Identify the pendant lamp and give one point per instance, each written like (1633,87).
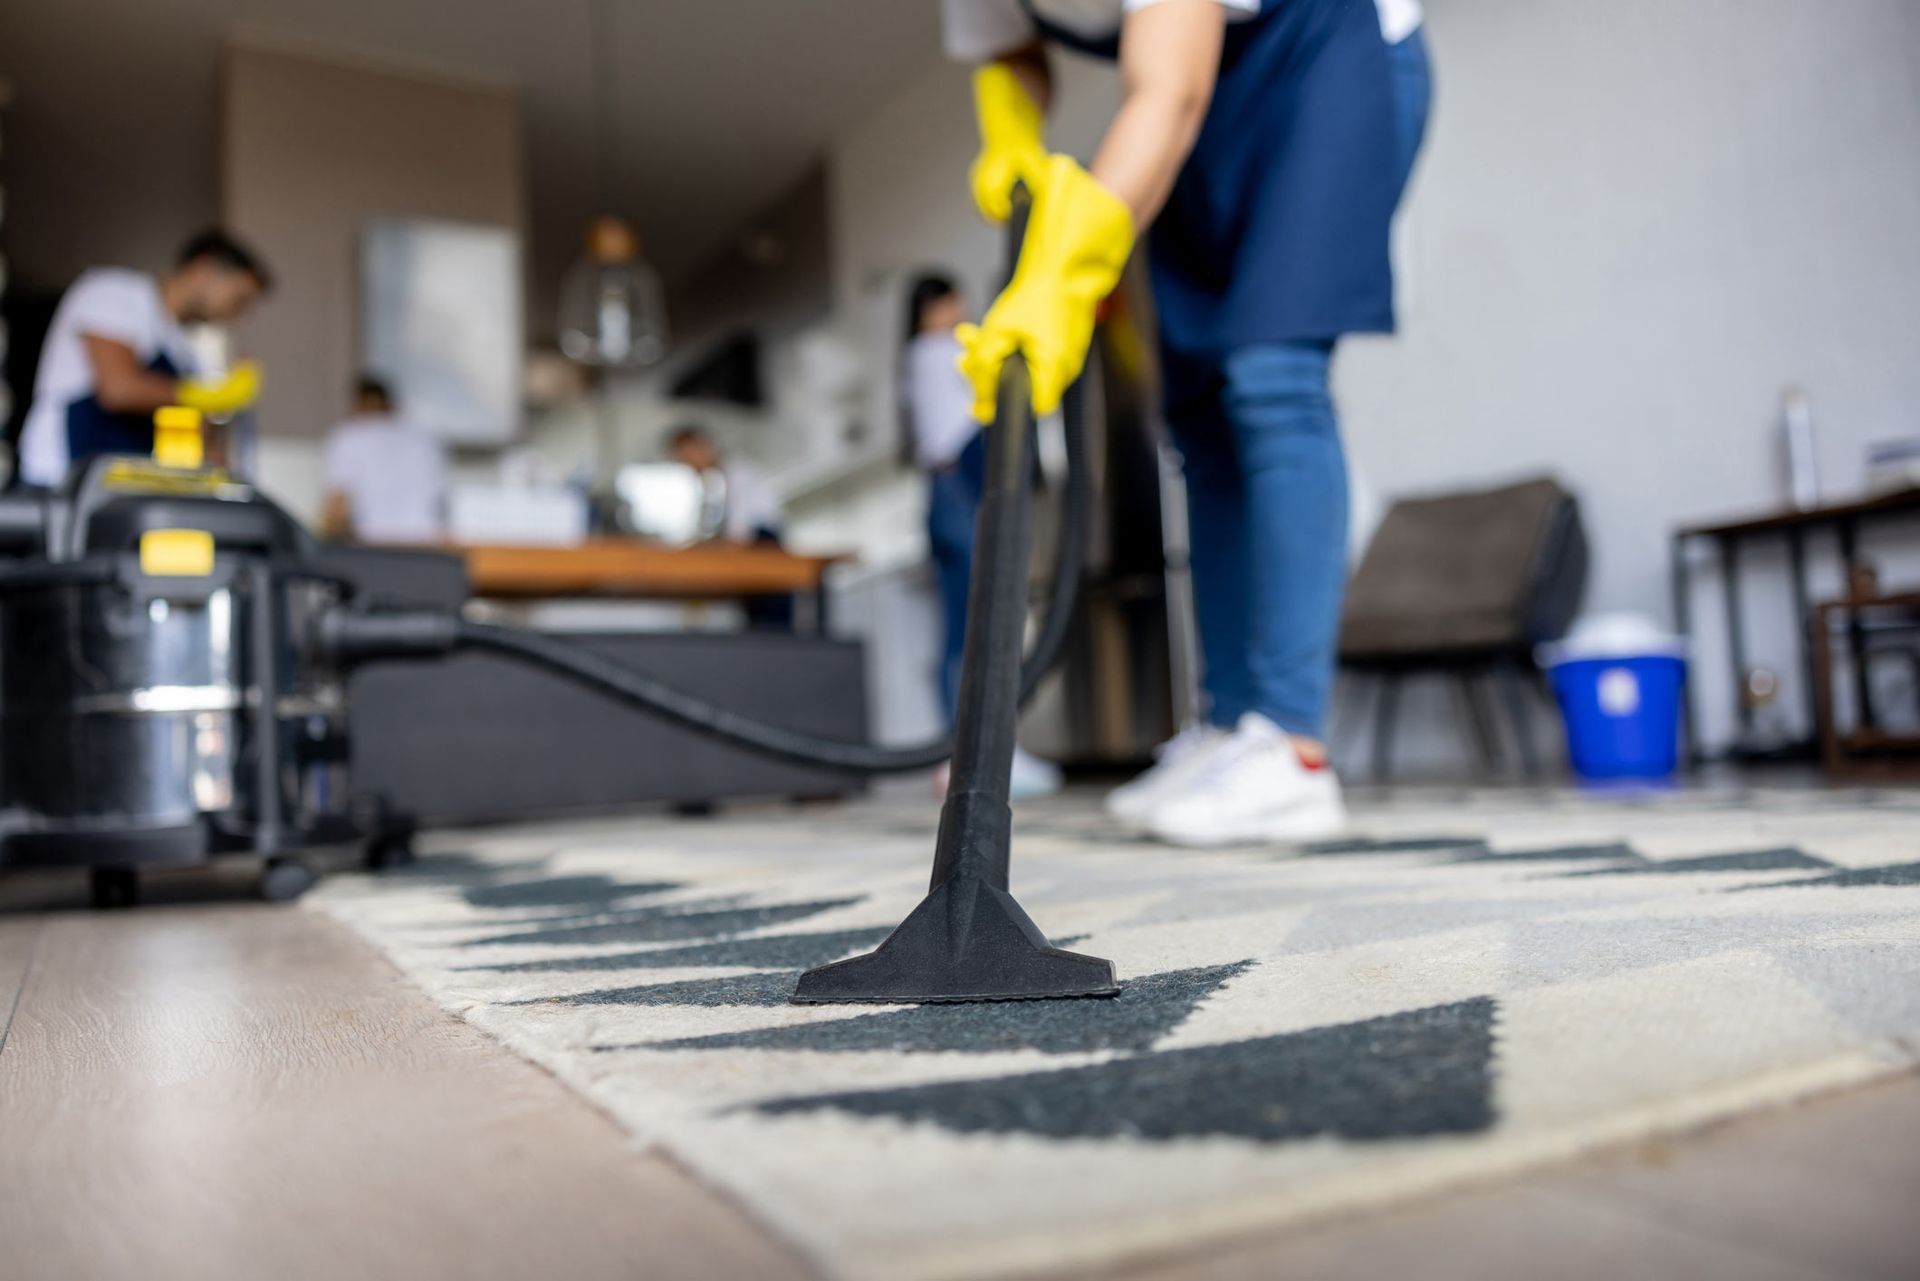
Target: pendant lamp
(613,311)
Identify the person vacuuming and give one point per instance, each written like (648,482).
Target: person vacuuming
(1266,143)
(117,350)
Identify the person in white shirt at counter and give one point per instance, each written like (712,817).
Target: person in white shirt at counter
(752,513)
(386,477)
(117,350)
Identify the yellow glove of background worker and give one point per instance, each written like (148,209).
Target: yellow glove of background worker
(222,397)
(1078,239)
(1013,143)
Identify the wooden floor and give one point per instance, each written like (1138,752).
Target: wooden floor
(241,1091)
(210,1088)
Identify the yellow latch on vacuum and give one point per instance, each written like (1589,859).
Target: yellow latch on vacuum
(176,553)
(177,437)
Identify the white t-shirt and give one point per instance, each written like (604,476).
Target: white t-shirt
(939,402)
(105,302)
(977,30)
(751,503)
(394,476)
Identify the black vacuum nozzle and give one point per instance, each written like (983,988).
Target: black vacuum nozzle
(969,940)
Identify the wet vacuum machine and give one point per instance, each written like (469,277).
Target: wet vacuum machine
(173,662)
(161,702)
(173,654)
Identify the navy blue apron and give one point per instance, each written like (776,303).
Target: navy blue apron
(93,429)
(1277,228)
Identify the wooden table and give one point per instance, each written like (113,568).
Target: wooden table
(631,568)
(1793,526)
(1867,752)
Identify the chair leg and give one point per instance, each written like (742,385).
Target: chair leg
(1513,687)
(1479,724)
(1489,714)
(1385,709)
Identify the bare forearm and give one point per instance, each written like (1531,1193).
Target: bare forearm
(140,394)
(1144,149)
(1169,59)
(120,383)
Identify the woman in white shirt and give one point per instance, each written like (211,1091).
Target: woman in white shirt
(945,442)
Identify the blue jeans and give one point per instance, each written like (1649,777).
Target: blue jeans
(1267,512)
(953,502)
(1267,495)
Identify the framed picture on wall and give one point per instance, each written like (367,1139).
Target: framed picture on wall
(441,322)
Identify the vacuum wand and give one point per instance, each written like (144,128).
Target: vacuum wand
(969,940)
(986,727)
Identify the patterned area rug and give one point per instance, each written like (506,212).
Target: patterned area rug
(1476,982)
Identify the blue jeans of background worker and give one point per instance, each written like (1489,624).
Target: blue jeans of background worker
(1267,494)
(953,501)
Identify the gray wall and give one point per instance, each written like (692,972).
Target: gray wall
(96,169)
(722,106)
(313,147)
(1637,221)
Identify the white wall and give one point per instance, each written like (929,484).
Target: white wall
(1635,223)
(292,471)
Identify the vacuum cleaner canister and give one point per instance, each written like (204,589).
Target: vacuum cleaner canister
(159,703)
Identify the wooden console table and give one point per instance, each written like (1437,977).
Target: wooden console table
(1867,752)
(1845,520)
(632,569)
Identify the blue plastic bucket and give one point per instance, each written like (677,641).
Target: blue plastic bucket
(1622,714)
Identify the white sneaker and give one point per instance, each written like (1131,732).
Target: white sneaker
(1252,788)
(1178,761)
(1032,778)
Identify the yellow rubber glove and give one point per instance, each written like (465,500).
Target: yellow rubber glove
(1013,143)
(223,397)
(1078,238)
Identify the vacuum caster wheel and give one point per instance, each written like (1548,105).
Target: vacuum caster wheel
(115,887)
(394,849)
(286,879)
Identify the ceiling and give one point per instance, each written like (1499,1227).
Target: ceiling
(721,104)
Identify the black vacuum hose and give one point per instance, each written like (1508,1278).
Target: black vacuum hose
(657,697)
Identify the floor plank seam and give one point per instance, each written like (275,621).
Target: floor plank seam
(26,977)
(794,1251)
(1690,1227)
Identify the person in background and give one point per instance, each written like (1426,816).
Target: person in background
(1266,144)
(117,350)
(752,512)
(943,439)
(386,477)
